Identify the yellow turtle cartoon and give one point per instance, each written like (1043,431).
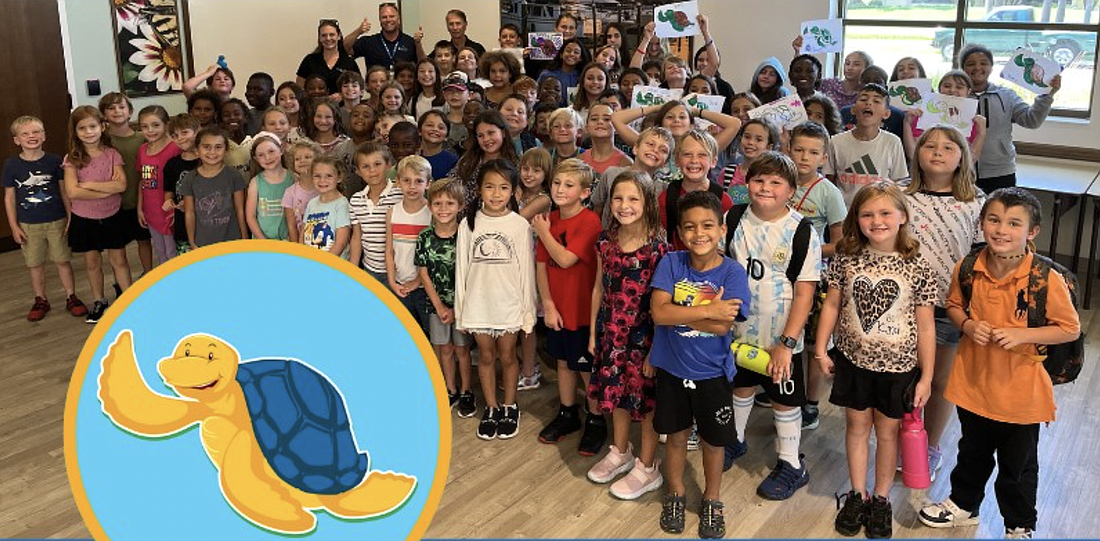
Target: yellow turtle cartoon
(277,430)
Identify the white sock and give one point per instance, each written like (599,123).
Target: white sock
(788,430)
(742,407)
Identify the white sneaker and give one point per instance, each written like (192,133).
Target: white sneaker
(946,515)
(1019,533)
(529,383)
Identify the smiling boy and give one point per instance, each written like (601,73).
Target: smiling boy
(866,153)
(696,156)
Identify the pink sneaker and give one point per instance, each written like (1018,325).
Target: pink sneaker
(639,481)
(612,464)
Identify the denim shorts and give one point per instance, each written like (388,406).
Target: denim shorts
(947,333)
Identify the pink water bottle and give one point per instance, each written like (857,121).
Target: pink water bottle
(914,451)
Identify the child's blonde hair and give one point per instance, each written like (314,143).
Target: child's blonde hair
(451,187)
(567,112)
(295,148)
(183,121)
(853,240)
(25,119)
(274,109)
(418,165)
(373,147)
(963,187)
(661,132)
(572,166)
(651,214)
(703,138)
(337,165)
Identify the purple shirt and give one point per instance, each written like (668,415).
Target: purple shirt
(99,169)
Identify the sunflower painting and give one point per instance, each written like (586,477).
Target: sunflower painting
(150,42)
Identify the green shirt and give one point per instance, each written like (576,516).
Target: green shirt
(437,254)
(128,147)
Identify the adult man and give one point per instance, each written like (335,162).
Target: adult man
(456,26)
(387,47)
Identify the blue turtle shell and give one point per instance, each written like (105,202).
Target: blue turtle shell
(302,426)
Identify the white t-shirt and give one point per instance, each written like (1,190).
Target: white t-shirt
(764,248)
(859,163)
(946,229)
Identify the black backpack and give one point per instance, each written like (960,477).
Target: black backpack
(1063,361)
(800,246)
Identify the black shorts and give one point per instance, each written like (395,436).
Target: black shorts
(571,347)
(133,227)
(889,393)
(708,402)
(791,392)
(95,235)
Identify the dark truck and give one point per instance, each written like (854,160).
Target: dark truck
(1062,47)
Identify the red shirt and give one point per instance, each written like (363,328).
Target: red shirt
(571,288)
(673,232)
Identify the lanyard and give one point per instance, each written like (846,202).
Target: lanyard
(391,52)
(798,207)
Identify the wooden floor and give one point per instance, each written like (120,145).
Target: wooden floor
(521,488)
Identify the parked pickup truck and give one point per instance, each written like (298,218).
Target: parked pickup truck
(1060,46)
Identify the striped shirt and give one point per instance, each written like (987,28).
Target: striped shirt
(406,228)
(371,219)
(946,228)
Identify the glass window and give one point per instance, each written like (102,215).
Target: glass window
(1033,11)
(1067,48)
(933,47)
(926,10)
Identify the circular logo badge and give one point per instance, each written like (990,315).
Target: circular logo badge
(257,389)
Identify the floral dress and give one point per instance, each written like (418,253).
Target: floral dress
(625,328)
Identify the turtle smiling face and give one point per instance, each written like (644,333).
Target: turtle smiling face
(202,367)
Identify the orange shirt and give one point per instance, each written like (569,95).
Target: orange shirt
(1010,386)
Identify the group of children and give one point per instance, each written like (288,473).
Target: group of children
(647,246)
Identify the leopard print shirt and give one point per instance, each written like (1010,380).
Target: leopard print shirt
(877,325)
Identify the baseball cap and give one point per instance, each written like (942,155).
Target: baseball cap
(455,79)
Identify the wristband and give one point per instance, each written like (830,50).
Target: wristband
(708,43)
(962,326)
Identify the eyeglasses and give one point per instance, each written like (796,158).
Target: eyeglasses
(388,5)
(329,22)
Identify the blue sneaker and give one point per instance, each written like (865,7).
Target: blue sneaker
(734,451)
(783,481)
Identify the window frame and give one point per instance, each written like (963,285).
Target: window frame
(960,25)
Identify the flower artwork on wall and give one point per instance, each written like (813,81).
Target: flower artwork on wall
(152,45)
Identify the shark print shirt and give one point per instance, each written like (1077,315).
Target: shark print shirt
(37,187)
(879,295)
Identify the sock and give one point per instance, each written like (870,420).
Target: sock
(742,407)
(788,430)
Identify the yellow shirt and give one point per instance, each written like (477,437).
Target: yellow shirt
(1010,386)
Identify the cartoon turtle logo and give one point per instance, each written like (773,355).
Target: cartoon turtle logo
(1033,71)
(822,36)
(277,430)
(677,19)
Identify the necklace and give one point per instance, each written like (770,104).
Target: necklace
(1011,257)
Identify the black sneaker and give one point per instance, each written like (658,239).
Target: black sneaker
(784,480)
(672,513)
(595,434)
(508,423)
(810,417)
(880,519)
(98,309)
(734,451)
(118,290)
(712,524)
(487,428)
(566,423)
(466,405)
(763,400)
(852,515)
(452,398)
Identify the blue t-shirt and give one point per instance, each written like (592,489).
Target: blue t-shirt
(685,352)
(37,188)
(442,163)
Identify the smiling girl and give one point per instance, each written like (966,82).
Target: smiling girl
(155,210)
(264,205)
(567,65)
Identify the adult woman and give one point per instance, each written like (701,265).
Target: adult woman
(329,59)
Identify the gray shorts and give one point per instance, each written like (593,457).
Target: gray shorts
(441,335)
(947,334)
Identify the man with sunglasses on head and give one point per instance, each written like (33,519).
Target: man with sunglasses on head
(387,47)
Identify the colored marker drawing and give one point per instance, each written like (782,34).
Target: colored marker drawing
(677,19)
(1033,71)
(277,430)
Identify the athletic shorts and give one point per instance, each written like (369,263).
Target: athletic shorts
(708,403)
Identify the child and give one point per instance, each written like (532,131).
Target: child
(944,206)
(369,208)
(500,68)
(466,62)
(757,137)
(514,110)
(456,95)
(155,208)
(529,89)
(805,75)
(1002,108)
(953,83)
(258,91)
(316,87)
(434,130)
(674,72)
(276,121)
(404,74)
(541,127)
(894,122)
(404,140)
(821,109)
(326,130)
(428,93)
(821,202)
(361,123)
(292,98)
(907,68)
(444,55)
(784,267)
(327,221)
(377,77)
(603,154)
(593,81)
(404,222)
(608,57)
(696,155)
(213,194)
(867,153)
(116,108)
(566,67)
(630,78)
(94,181)
(653,150)
(768,80)
(435,261)
(621,335)
(1001,392)
(234,120)
(533,199)
(386,122)
(550,90)
(393,101)
(846,91)
(679,119)
(295,198)
(566,268)
(264,204)
(884,357)
(182,128)
(351,93)
(495,290)
(565,125)
(205,105)
(488,131)
(37,209)
(697,294)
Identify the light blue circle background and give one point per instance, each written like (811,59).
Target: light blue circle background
(267,305)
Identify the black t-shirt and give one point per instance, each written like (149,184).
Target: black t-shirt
(473,45)
(379,52)
(314,64)
(173,170)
